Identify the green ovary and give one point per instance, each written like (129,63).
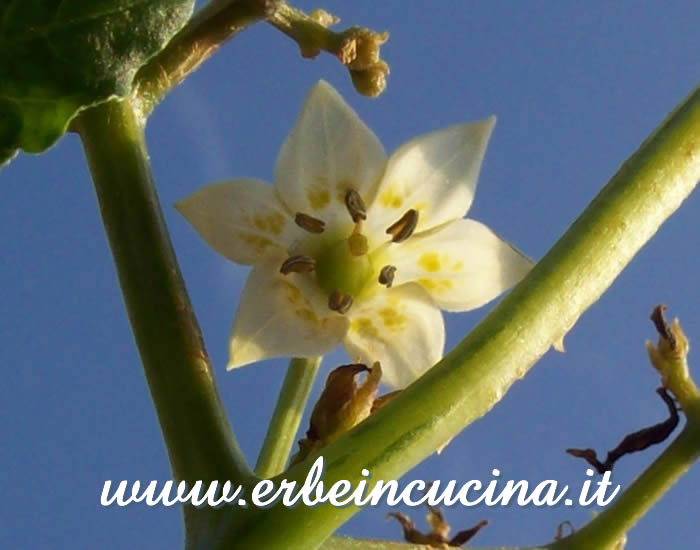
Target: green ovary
(338,269)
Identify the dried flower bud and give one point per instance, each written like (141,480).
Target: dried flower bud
(342,405)
(439,530)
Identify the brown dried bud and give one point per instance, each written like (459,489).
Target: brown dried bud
(439,530)
(342,405)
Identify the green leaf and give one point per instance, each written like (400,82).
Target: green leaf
(59,56)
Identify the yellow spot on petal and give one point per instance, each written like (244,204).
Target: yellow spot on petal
(272,223)
(364,327)
(318,194)
(438,286)
(255,241)
(429,261)
(392,319)
(391,198)
(292,293)
(307,315)
(457,266)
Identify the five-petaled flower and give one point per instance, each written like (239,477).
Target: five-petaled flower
(351,246)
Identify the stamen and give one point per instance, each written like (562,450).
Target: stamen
(386,275)
(358,244)
(298,264)
(355,205)
(403,229)
(309,223)
(339,301)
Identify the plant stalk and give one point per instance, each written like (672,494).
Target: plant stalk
(199,440)
(286,418)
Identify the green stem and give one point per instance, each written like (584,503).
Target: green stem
(200,443)
(647,189)
(286,418)
(309,34)
(608,527)
(208,29)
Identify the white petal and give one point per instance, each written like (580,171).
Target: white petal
(274,319)
(240,219)
(329,151)
(401,328)
(462,264)
(435,174)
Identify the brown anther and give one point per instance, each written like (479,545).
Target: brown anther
(298,264)
(309,223)
(404,228)
(355,205)
(386,275)
(339,301)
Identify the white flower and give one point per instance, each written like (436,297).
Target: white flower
(351,246)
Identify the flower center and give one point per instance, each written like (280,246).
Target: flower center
(345,266)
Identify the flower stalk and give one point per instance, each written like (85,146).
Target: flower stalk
(286,417)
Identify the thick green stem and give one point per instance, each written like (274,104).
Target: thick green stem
(286,418)
(608,527)
(197,433)
(647,189)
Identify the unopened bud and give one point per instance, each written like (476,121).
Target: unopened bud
(371,81)
(360,48)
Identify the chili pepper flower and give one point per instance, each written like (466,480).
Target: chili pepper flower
(352,247)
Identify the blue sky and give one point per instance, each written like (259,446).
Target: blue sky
(575,91)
